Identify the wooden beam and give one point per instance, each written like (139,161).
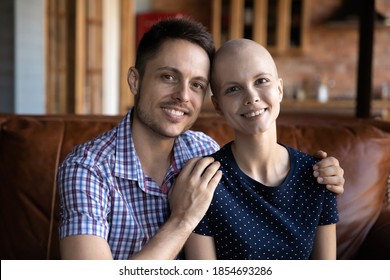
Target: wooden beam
(236,27)
(80,57)
(260,12)
(364,75)
(283,26)
(216,7)
(127,52)
(305,25)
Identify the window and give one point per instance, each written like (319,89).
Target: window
(280,25)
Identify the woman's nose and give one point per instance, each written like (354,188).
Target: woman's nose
(251,96)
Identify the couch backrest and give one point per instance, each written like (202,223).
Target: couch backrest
(31,147)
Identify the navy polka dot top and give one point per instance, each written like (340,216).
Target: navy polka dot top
(251,221)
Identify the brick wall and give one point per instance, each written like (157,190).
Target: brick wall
(334,53)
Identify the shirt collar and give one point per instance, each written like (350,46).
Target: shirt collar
(128,165)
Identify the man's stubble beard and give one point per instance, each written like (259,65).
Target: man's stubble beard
(146,119)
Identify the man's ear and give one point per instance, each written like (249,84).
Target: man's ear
(216,105)
(133,80)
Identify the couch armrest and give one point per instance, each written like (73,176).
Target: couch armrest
(376,246)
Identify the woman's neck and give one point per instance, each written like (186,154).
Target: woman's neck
(262,158)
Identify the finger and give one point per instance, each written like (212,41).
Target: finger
(336,189)
(329,171)
(191,164)
(210,172)
(202,165)
(332,175)
(331,180)
(213,183)
(326,162)
(321,154)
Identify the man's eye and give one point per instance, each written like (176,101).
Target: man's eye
(168,77)
(199,86)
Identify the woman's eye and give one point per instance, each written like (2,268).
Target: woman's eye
(232,89)
(261,81)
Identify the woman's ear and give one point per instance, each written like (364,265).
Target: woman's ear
(133,80)
(216,105)
(280,89)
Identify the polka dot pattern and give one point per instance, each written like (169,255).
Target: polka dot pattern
(251,221)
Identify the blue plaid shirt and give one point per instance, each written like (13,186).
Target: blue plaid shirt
(104,191)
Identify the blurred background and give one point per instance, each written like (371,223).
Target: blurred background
(72,56)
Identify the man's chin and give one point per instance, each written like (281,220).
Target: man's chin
(169,131)
(173,133)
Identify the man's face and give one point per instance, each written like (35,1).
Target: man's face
(173,88)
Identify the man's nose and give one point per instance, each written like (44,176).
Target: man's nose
(182,93)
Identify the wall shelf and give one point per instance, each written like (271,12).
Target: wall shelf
(379,108)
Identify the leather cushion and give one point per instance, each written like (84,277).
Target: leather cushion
(361,149)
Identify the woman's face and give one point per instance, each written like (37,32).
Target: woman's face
(247,89)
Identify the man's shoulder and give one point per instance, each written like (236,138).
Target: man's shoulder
(103,145)
(95,149)
(198,138)
(196,134)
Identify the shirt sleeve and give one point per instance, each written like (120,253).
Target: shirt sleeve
(83,201)
(203,227)
(329,214)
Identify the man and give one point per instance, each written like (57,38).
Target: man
(139,190)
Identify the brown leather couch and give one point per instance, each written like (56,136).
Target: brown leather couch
(31,148)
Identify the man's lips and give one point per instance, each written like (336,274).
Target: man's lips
(254,113)
(173,112)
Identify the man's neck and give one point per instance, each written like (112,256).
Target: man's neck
(154,151)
